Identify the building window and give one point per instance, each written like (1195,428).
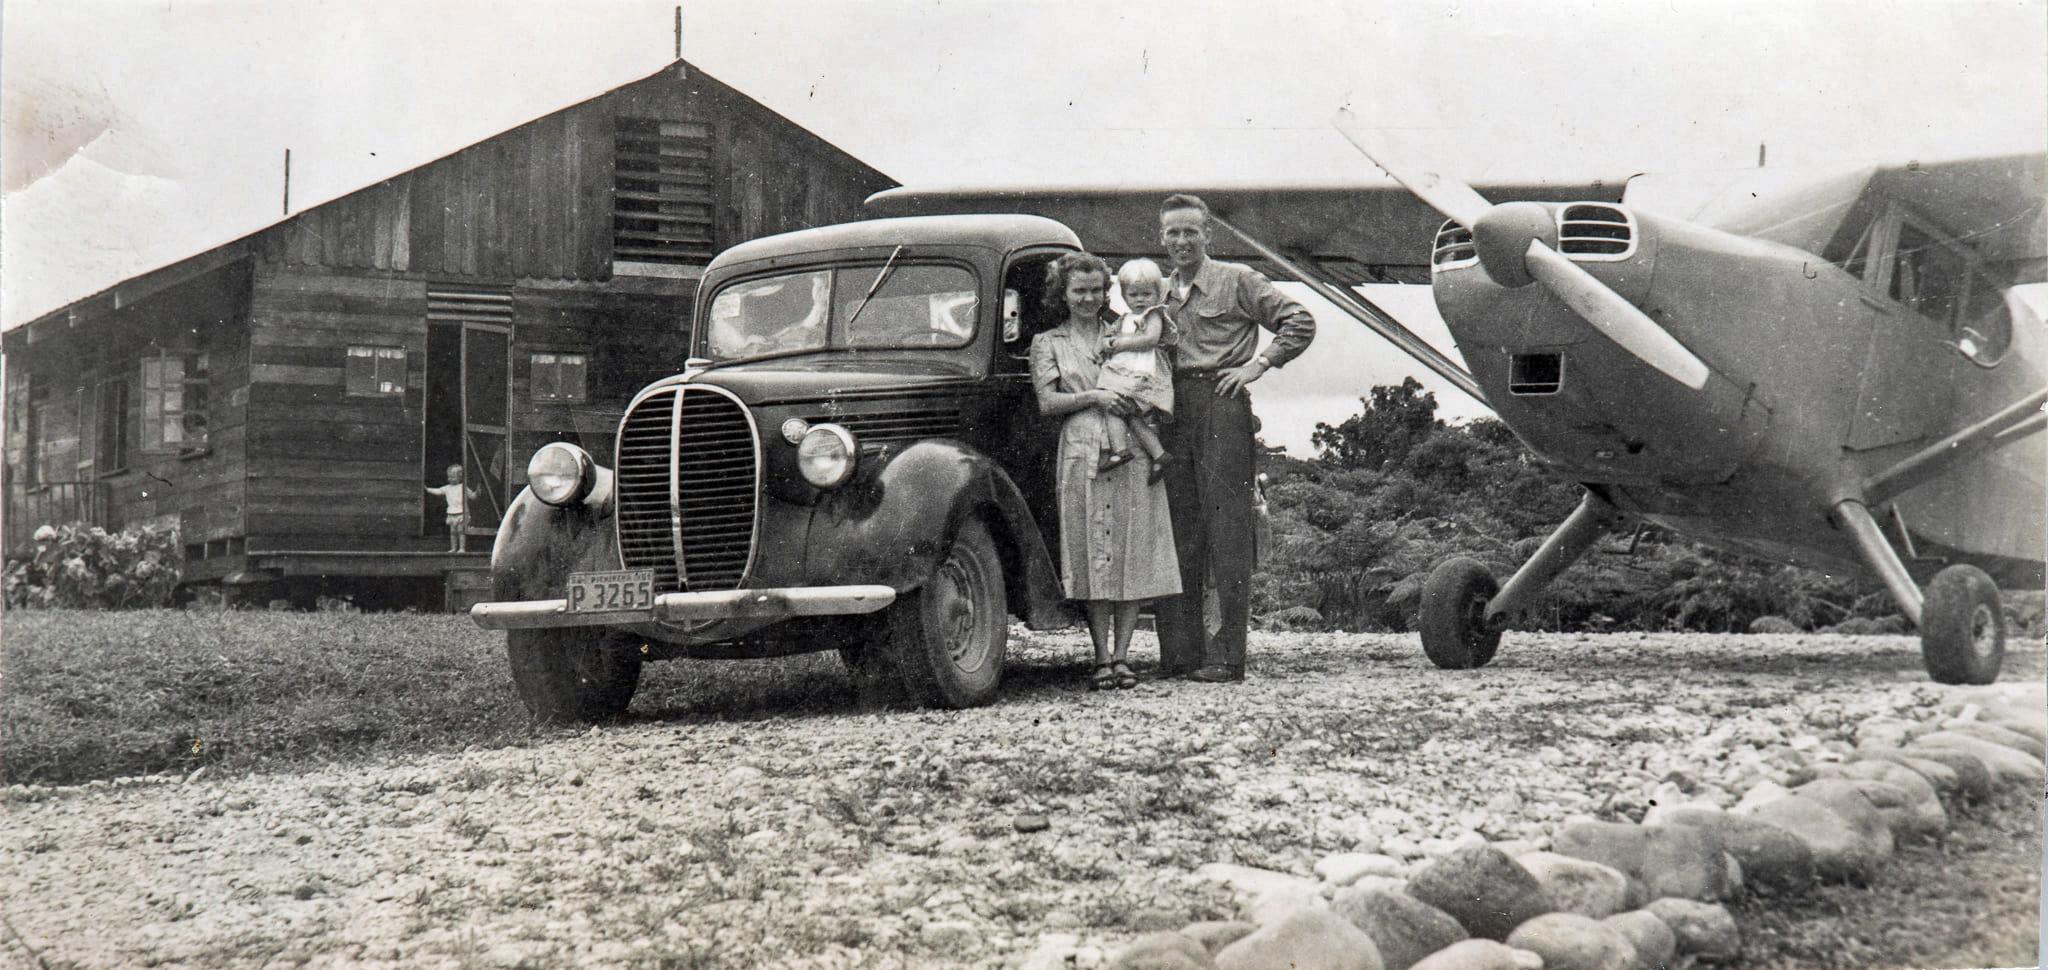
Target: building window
(110,410)
(174,403)
(559,378)
(375,372)
(662,192)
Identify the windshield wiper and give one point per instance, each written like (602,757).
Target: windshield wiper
(879,279)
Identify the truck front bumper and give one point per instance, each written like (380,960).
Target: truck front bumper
(772,604)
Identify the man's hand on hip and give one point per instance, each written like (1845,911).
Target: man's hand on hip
(1233,381)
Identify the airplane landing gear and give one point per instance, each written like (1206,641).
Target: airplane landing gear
(1456,634)
(1463,616)
(1962,627)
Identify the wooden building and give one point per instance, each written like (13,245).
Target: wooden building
(286,399)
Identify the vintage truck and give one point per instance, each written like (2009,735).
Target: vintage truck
(852,459)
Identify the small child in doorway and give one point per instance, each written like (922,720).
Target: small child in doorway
(1137,367)
(457,498)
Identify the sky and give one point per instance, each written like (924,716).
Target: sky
(139,132)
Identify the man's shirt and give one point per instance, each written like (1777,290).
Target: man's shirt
(1221,311)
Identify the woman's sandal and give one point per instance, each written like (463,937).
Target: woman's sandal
(1104,679)
(1125,677)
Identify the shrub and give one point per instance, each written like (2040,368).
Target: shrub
(87,567)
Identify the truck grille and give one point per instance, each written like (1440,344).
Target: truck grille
(696,446)
(1589,231)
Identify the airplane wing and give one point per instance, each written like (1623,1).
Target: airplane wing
(1375,232)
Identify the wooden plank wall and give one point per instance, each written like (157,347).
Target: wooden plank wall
(322,463)
(634,333)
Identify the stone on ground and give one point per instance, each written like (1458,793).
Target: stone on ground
(1872,807)
(1488,893)
(1480,955)
(1703,930)
(2007,766)
(1301,939)
(1941,776)
(1568,941)
(1843,850)
(1656,946)
(1345,868)
(1163,951)
(1995,734)
(1974,779)
(1250,882)
(1405,928)
(1772,624)
(1281,900)
(1772,858)
(1214,935)
(1577,885)
(1666,860)
(1921,816)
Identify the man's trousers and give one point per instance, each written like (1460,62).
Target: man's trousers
(1214,526)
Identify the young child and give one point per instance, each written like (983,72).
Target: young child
(458,508)
(1137,367)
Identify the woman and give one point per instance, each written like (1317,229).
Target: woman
(1116,543)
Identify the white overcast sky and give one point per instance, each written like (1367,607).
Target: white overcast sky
(139,132)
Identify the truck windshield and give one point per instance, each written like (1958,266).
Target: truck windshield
(916,306)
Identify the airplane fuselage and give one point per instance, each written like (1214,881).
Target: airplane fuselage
(1820,378)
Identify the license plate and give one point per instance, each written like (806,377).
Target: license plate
(626,589)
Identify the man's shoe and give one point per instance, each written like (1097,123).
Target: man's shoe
(1217,674)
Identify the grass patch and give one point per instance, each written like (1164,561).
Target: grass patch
(88,695)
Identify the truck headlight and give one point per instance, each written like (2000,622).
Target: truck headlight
(827,455)
(561,473)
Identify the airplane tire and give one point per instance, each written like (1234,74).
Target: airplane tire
(1962,627)
(1455,634)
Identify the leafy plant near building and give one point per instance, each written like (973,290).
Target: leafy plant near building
(86,567)
(1395,490)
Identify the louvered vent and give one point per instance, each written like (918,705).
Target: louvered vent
(1590,231)
(469,303)
(892,426)
(696,445)
(1453,247)
(662,192)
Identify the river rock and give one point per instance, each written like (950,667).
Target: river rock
(1214,935)
(1667,860)
(1656,946)
(1577,885)
(1488,893)
(1303,938)
(1569,941)
(1251,884)
(1941,776)
(1884,732)
(1921,815)
(1405,928)
(1995,734)
(1703,930)
(1345,868)
(1772,859)
(2007,766)
(1842,849)
(1162,951)
(1281,900)
(1480,955)
(1972,777)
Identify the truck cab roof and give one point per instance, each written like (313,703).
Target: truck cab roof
(999,232)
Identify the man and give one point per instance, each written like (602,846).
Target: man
(1218,308)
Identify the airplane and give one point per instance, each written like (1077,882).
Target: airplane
(1844,372)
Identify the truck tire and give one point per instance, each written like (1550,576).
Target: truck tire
(573,675)
(948,636)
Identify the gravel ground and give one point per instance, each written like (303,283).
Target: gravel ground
(787,827)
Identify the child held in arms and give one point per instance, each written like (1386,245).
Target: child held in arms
(458,508)
(1137,367)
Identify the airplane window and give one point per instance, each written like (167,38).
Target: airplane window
(1927,275)
(1985,330)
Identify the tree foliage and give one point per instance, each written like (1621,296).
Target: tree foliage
(87,567)
(1394,491)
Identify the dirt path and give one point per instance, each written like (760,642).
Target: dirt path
(775,824)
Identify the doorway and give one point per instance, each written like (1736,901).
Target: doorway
(467,405)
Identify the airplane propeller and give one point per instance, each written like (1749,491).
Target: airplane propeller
(1595,302)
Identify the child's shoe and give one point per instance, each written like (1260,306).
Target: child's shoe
(1159,467)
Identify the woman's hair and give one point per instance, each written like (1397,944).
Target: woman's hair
(1057,274)
(1138,272)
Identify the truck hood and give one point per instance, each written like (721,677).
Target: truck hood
(830,376)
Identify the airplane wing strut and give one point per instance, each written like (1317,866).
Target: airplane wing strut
(2018,420)
(1311,274)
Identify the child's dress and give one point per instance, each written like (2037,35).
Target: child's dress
(1142,375)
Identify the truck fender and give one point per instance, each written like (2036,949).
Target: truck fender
(539,545)
(894,524)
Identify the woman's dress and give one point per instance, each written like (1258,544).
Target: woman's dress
(1116,540)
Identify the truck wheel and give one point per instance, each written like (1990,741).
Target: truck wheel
(948,636)
(572,674)
(1455,633)
(1962,627)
